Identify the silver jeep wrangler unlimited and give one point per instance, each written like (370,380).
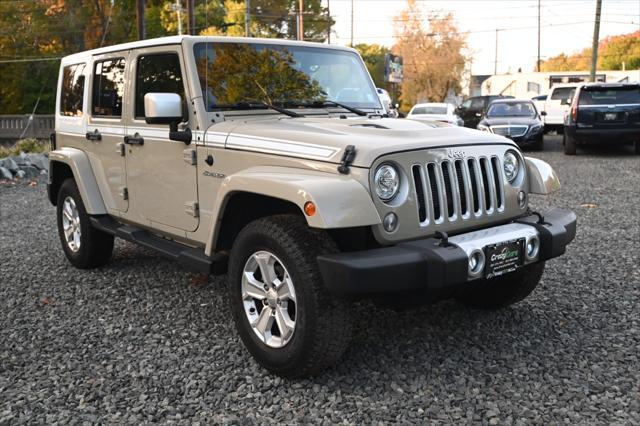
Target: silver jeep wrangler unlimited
(273,161)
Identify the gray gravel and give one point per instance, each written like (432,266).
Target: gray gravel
(140,340)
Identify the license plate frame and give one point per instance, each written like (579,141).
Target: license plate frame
(503,257)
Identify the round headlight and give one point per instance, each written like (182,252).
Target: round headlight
(511,166)
(386,182)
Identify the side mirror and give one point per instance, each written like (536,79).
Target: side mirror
(543,113)
(166,108)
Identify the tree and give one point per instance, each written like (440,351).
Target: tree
(615,52)
(433,57)
(373,56)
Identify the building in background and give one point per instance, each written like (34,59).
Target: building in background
(528,85)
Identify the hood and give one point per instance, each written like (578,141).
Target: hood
(325,138)
(525,121)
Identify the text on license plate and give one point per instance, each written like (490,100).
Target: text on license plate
(504,257)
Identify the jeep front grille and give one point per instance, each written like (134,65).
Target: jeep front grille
(450,190)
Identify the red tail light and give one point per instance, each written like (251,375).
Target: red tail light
(574,112)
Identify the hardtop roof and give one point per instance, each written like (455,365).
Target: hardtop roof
(172,40)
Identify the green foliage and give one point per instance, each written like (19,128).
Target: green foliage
(25,145)
(52,29)
(373,56)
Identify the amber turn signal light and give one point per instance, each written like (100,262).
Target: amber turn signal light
(309,208)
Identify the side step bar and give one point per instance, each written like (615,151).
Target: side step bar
(190,258)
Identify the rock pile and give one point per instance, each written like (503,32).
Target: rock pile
(24,166)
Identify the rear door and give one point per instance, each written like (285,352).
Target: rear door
(106,128)
(161,173)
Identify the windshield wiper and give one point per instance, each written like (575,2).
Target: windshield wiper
(320,104)
(257,105)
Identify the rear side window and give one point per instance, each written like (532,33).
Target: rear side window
(72,92)
(610,96)
(157,73)
(108,88)
(563,93)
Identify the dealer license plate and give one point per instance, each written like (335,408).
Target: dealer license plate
(503,258)
(610,115)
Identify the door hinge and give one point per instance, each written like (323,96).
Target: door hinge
(120,149)
(190,157)
(192,208)
(124,193)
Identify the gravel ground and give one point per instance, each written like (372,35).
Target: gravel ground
(140,340)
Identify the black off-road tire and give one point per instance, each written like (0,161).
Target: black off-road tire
(569,144)
(636,147)
(96,246)
(500,292)
(323,325)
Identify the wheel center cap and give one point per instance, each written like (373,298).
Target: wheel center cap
(272,298)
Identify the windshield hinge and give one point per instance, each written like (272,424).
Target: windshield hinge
(347,158)
(189,156)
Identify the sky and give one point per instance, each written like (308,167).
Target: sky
(566,26)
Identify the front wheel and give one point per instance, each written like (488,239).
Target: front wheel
(84,246)
(502,291)
(283,313)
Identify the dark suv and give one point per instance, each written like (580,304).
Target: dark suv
(603,111)
(473,109)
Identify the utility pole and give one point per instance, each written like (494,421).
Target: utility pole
(596,39)
(352,23)
(301,22)
(495,62)
(247,18)
(538,63)
(328,23)
(140,19)
(177,7)
(191,17)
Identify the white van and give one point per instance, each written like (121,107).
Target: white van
(557,104)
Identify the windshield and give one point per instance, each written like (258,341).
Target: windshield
(511,109)
(429,110)
(610,96)
(232,73)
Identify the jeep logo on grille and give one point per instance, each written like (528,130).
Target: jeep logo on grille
(453,153)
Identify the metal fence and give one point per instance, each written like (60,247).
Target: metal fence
(14,127)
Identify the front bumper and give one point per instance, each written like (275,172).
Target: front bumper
(426,265)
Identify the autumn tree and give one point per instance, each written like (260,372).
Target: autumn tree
(433,55)
(373,57)
(614,53)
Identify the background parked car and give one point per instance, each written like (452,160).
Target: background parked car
(517,119)
(539,101)
(472,110)
(603,112)
(557,104)
(442,112)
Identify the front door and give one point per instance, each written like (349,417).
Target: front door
(161,179)
(105,129)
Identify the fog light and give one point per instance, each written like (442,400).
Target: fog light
(390,222)
(476,263)
(532,248)
(522,199)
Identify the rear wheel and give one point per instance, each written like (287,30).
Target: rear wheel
(637,148)
(84,246)
(569,144)
(502,291)
(283,313)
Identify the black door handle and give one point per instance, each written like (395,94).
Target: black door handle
(136,139)
(93,136)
